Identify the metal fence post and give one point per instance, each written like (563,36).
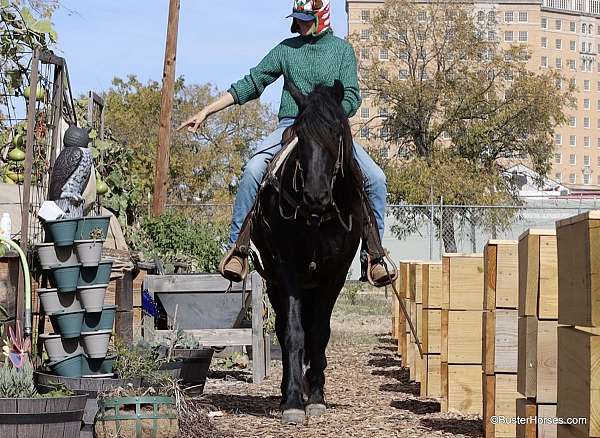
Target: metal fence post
(441,230)
(431,225)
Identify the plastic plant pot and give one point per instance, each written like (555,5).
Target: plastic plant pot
(89,252)
(92,227)
(66,277)
(67,323)
(50,255)
(92,297)
(100,320)
(59,348)
(95,344)
(62,231)
(68,367)
(53,301)
(96,366)
(95,275)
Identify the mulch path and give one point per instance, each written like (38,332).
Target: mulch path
(367,391)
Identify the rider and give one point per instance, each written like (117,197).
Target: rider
(315,57)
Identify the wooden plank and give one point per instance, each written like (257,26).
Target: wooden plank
(526,408)
(506,345)
(505,403)
(402,337)
(124,302)
(432,286)
(192,283)
(548,292)
(404,279)
(216,337)
(489,276)
(488,341)
(579,378)
(416,281)
(465,389)
(464,337)
(507,275)
(9,406)
(395,321)
(529,272)
(579,273)
(444,386)
(446,283)
(547,361)
(592,214)
(420,366)
(444,335)
(489,404)
(434,384)
(259,369)
(432,322)
(466,283)
(527,356)
(545,430)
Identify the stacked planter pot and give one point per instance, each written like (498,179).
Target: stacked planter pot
(81,322)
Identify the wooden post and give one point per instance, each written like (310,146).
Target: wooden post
(258,336)
(164,132)
(124,302)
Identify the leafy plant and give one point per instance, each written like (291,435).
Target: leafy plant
(236,360)
(351,291)
(96,234)
(16,382)
(138,361)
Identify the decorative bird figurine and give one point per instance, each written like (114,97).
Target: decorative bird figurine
(71,173)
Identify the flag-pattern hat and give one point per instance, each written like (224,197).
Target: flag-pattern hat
(312,10)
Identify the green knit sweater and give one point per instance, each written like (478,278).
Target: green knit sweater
(305,62)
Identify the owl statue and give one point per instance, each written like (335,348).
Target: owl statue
(71,173)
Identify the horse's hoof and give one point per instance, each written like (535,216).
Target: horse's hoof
(293,416)
(315,409)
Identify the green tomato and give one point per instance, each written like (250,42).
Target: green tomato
(16,155)
(40,92)
(101,187)
(18,140)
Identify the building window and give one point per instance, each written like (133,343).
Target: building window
(365,34)
(598,160)
(598,123)
(480,16)
(508,17)
(544,61)
(572,64)
(573,122)
(491,35)
(572,159)
(492,16)
(544,42)
(558,43)
(558,83)
(598,144)
(586,142)
(572,26)
(572,82)
(508,36)
(384,133)
(384,112)
(558,63)
(364,113)
(364,132)
(422,15)
(572,178)
(586,122)
(558,176)
(364,53)
(404,56)
(557,139)
(544,23)
(586,178)
(573,45)
(586,160)
(403,74)
(586,85)
(558,24)
(384,152)
(523,36)
(365,15)
(583,28)
(572,140)
(586,103)
(384,55)
(523,17)
(557,158)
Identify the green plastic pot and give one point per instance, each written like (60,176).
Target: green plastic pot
(92,227)
(95,275)
(100,320)
(62,231)
(94,366)
(68,367)
(66,277)
(92,297)
(67,323)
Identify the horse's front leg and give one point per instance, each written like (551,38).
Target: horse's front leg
(291,338)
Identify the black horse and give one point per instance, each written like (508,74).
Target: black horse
(307,230)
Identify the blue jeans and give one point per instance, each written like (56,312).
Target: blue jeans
(256,167)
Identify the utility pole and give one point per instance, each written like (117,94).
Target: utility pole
(166,109)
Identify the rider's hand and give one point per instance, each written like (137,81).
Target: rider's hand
(193,123)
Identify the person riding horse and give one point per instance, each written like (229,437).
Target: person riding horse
(316,57)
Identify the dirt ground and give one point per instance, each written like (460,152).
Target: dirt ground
(367,391)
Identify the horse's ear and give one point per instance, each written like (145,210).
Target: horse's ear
(297,95)
(338,91)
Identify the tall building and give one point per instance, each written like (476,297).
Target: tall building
(561,34)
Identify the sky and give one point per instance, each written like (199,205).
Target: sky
(218,41)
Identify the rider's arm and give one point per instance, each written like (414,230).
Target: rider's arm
(252,85)
(349,77)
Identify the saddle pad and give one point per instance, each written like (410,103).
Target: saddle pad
(280,158)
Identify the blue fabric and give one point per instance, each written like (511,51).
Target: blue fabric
(256,167)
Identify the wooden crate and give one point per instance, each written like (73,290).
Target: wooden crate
(537,359)
(501,276)
(461,389)
(410,341)
(431,337)
(416,281)
(402,336)
(526,408)
(395,321)
(432,285)
(499,398)
(461,336)
(462,282)
(403,279)
(500,341)
(578,240)
(538,274)
(433,386)
(579,378)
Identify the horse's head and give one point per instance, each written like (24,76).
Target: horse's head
(324,143)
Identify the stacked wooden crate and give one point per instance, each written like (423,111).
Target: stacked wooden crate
(402,284)
(578,240)
(417,363)
(431,329)
(537,329)
(500,337)
(461,319)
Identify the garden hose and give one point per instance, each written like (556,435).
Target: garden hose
(25,266)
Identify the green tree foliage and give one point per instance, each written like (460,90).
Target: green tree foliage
(205,165)
(461,108)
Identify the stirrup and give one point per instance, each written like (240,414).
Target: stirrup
(389,279)
(232,276)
